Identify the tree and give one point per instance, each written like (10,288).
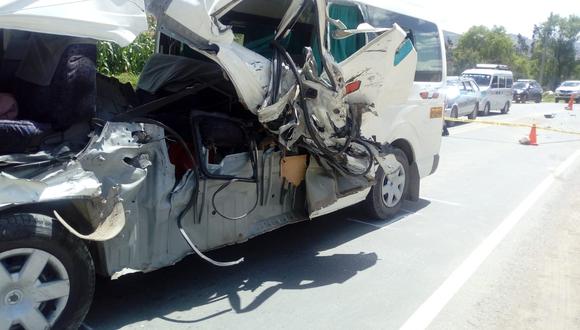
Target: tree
(482,45)
(113,60)
(522,47)
(554,49)
(450,57)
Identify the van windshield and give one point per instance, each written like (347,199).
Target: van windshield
(481,79)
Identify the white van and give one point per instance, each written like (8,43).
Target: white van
(495,82)
(252,115)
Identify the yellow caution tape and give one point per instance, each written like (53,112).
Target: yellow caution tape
(503,123)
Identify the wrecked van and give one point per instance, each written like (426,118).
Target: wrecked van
(252,115)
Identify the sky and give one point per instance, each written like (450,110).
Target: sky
(515,15)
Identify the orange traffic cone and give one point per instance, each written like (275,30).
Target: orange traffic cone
(533,137)
(571,103)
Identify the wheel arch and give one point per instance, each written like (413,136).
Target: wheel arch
(70,209)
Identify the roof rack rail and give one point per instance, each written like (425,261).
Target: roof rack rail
(492,66)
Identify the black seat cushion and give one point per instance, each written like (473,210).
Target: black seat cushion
(20,136)
(71,96)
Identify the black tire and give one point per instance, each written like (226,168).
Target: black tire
(375,204)
(539,100)
(506,107)
(455,115)
(39,232)
(473,115)
(486,109)
(556,100)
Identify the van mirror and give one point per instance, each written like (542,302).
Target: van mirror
(361,28)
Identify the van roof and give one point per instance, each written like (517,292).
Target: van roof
(488,71)
(398,6)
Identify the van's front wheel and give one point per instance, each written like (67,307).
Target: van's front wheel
(47,277)
(486,109)
(506,107)
(389,191)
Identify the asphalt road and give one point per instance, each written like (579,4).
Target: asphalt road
(493,243)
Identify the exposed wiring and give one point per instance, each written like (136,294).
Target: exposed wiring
(231,179)
(224,186)
(194,195)
(254,160)
(312,131)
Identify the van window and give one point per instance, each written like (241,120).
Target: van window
(254,24)
(495,82)
(425,36)
(509,83)
(480,79)
(501,82)
(351,16)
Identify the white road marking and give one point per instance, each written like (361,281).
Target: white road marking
(427,312)
(364,223)
(383,223)
(412,212)
(440,201)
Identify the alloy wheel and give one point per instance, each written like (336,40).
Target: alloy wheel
(394,187)
(34,289)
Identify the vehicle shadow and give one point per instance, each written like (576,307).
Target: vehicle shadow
(289,257)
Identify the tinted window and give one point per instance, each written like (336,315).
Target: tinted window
(495,82)
(501,82)
(425,36)
(509,82)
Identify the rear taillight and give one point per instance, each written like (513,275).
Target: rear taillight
(352,87)
(426,95)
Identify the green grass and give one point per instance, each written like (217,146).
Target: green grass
(548,99)
(128,77)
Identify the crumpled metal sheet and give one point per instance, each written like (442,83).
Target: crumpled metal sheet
(68,181)
(107,229)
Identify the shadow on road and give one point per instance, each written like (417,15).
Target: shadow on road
(289,257)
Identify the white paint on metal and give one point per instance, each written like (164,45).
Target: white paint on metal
(112,20)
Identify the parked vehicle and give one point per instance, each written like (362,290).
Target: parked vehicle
(567,89)
(222,141)
(461,98)
(495,83)
(526,89)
